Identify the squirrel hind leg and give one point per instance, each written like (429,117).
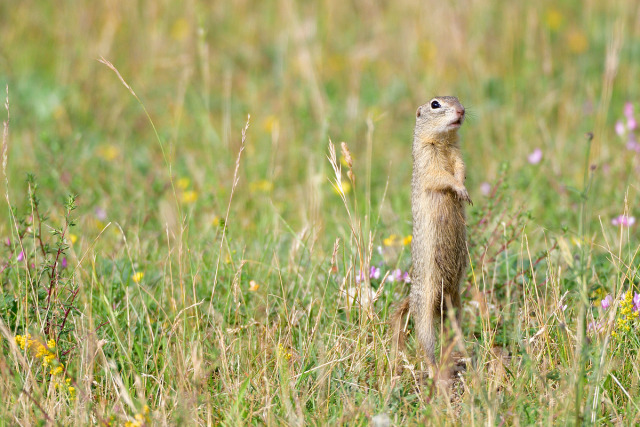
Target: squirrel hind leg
(426,334)
(398,322)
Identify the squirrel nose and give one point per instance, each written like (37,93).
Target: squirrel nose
(460,111)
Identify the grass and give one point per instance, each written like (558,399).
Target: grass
(205,273)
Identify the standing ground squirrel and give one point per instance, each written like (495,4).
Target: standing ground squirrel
(438,247)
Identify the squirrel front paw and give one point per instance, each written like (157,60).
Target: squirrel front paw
(463,195)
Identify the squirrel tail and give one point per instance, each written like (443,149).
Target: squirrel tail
(398,326)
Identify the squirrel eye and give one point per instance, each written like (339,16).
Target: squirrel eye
(435,104)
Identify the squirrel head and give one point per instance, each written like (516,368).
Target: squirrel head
(439,119)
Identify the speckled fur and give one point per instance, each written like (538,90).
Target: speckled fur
(438,196)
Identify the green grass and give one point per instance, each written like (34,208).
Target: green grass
(208,283)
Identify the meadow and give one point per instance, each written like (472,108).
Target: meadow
(185,240)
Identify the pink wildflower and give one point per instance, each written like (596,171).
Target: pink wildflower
(374,273)
(535,157)
(20,256)
(636,302)
(632,144)
(594,327)
(101,214)
(606,302)
(628,110)
(620,128)
(406,278)
(397,273)
(394,275)
(485,188)
(623,221)
(628,113)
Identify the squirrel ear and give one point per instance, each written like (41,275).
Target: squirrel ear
(418,112)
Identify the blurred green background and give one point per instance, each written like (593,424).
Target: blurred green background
(532,76)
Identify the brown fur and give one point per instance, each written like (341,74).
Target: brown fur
(438,248)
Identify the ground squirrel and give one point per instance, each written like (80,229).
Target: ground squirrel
(438,197)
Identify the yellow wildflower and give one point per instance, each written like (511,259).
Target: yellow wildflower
(140,418)
(23,340)
(109,152)
(183,183)
(47,359)
(227,257)
(57,370)
(41,351)
(263,186)
(271,123)
(72,392)
(51,344)
(189,197)
(577,41)
(390,241)
(346,187)
(627,315)
(282,352)
(137,277)
(179,29)
(395,240)
(73,238)
(553,19)
(598,295)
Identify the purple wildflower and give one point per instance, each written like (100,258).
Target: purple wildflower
(394,275)
(623,221)
(485,188)
(406,278)
(535,157)
(632,143)
(594,327)
(606,302)
(360,276)
(64,263)
(374,273)
(628,110)
(101,214)
(636,302)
